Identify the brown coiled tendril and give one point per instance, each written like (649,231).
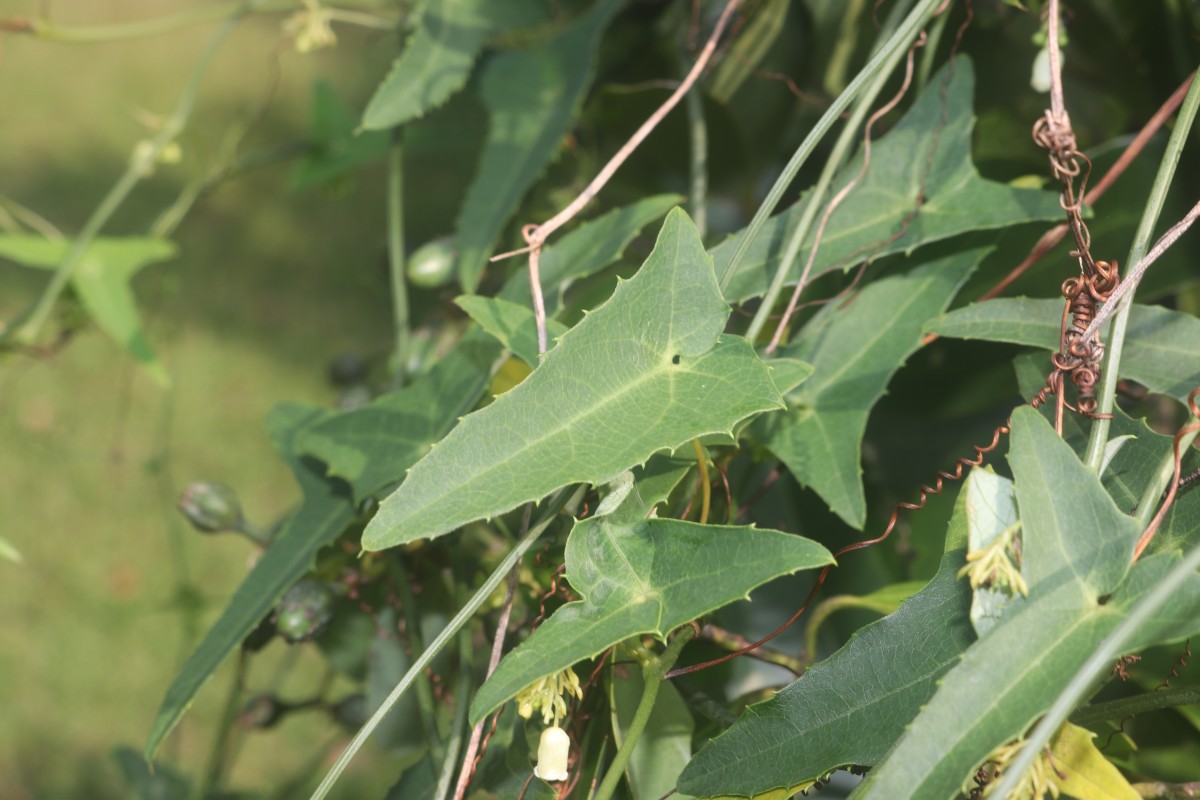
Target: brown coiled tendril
(1177,481)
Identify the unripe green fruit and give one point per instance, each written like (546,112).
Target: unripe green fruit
(211,507)
(305,611)
(432,264)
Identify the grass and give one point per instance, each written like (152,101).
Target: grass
(269,287)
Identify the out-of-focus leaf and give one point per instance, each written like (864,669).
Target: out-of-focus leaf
(325,512)
(882,214)
(1162,347)
(847,709)
(8,551)
(666,743)
(334,149)
(749,49)
(435,62)
(513,326)
(102,282)
(640,576)
(372,447)
(855,349)
(532,97)
(147,781)
(647,371)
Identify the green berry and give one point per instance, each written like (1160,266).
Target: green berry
(432,264)
(305,611)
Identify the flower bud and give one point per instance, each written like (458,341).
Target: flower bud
(305,611)
(211,507)
(553,750)
(432,264)
(261,712)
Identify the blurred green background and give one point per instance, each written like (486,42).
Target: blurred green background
(270,285)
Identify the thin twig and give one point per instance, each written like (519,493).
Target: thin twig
(1057,107)
(842,193)
(1130,282)
(536,235)
(468,763)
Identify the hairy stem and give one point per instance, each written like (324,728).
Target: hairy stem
(1138,704)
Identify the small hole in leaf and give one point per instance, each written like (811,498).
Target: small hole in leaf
(675,359)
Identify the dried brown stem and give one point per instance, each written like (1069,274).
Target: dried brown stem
(536,235)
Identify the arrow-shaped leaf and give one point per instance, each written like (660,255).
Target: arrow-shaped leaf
(642,576)
(855,351)
(901,203)
(647,371)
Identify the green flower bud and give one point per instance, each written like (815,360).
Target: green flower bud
(211,507)
(305,611)
(432,264)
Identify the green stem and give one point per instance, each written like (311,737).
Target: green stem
(1138,704)
(561,501)
(1097,665)
(652,677)
(415,641)
(816,196)
(1141,242)
(395,239)
(218,759)
(699,161)
(101,34)
(899,42)
(461,699)
(139,167)
(929,56)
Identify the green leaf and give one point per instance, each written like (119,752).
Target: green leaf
(371,448)
(1077,545)
(1083,771)
(855,350)
(434,64)
(335,148)
(849,708)
(588,248)
(641,576)
(386,665)
(647,371)
(666,743)
(749,49)
(513,325)
(1162,347)
(325,512)
(532,97)
(877,218)
(102,283)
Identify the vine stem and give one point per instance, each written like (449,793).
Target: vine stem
(139,167)
(536,235)
(653,674)
(395,244)
(561,502)
(1154,203)
(896,44)
(1138,704)
(510,590)
(1097,665)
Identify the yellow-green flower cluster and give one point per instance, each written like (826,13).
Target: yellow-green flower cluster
(547,695)
(311,27)
(994,565)
(1035,784)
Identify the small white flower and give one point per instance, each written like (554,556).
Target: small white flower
(553,750)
